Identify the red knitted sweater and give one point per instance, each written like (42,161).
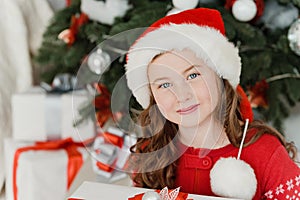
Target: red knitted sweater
(278,177)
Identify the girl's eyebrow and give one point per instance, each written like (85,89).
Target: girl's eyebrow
(160,79)
(188,69)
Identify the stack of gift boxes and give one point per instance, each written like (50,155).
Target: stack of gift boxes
(46,150)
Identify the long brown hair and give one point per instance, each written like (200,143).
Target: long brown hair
(157,138)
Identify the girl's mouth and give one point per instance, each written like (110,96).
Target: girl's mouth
(188,110)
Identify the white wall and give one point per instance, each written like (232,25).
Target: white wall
(292,126)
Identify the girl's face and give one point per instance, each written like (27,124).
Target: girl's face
(184,88)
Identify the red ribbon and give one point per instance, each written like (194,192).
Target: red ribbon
(68,3)
(74,158)
(106,167)
(113,139)
(102,104)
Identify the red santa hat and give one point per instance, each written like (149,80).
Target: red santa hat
(200,30)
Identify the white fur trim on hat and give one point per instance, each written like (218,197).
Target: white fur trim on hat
(207,43)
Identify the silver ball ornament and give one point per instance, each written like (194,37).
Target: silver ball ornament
(151,195)
(294,37)
(98,61)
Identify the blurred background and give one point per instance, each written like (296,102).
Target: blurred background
(45,44)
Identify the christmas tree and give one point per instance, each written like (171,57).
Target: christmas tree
(267,34)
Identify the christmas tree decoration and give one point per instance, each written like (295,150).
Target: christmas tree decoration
(174,11)
(261,50)
(259,7)
(63,83)
(98,61)
(104,11)
(294,37)
(181,5)
(69,35)
(258,94)
(244,10)
(278,16)
(184,5)
(102,105)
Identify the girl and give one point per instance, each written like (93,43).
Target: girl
(198,126)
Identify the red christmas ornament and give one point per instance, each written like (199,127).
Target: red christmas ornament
(69,35)
(260,5)
(258,94)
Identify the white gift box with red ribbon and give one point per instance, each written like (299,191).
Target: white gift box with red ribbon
(111,151)
(40,116)
(36,171)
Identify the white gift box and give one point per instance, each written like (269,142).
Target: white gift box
(39,174)
(114,157)
(96,191)
(38,116)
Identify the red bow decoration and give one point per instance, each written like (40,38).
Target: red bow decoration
(258,94)
(108,140)
(113,139)
(106,167)
(74,162)
(69,35)
(181,196)
(102,104)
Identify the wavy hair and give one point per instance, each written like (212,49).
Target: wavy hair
(156,139)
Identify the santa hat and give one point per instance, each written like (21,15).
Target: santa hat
(202,31)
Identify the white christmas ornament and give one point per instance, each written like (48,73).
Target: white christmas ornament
(104,11)
(244,10)
(98,61)
(174,11)
(277,15)
(294,37)
(185,4)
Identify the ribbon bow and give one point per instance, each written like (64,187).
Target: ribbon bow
(164,194)
(102,104)
(74,162)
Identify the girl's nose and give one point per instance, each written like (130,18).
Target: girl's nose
(183,93)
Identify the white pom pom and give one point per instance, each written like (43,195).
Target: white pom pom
(233,178)
(244,10)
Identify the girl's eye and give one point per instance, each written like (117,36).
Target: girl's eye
(193,75)
(165,85)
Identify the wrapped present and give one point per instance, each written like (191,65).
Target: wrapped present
(41,170)
(110,152)
(163,194)
(41,116)
(95,191)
